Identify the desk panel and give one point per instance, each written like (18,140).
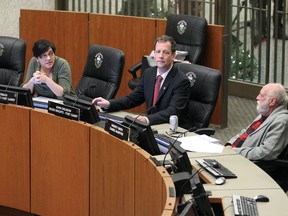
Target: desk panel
(151,192)
(59,165)
(133,35)
(112,174)
(14,157)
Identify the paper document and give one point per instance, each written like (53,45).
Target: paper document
(201,144)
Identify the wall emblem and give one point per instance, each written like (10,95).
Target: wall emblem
(181,26)
(1,49)
(191,77)
(98,60)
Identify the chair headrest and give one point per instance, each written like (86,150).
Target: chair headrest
(205,85)
(102,73)
(186,29)
(205,82)
(12,53)
(104,63)
(189,32)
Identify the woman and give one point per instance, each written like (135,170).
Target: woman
(48,75)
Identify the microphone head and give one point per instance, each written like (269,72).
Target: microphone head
(151,109)
(192,129)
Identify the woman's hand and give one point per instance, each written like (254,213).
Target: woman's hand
(39,77)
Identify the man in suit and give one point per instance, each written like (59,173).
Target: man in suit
(267,136)
(174,88)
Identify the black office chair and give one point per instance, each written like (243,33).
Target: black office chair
(102,73)
(189,32)
(12,60)
(205,85)
(277,169)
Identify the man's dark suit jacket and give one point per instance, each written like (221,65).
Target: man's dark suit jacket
(172,100)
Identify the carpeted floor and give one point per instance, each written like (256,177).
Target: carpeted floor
(241,112)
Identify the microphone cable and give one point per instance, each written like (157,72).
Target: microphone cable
(197,172)
(81,94)
(10,80)
(171,145)
(145,111)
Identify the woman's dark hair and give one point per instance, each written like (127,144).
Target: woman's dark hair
(42,46)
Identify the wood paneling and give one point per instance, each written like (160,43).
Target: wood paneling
(55,166)
(151,192)
(59,165)
(72,32)
(67,30)
(112,175)
(133,35)
(14,157)
(214,58)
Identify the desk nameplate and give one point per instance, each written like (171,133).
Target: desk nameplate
(118,130)
(64,111)
(9,97)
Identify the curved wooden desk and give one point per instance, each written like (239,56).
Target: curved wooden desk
(55,166)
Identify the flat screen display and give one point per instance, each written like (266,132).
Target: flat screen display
(24,94)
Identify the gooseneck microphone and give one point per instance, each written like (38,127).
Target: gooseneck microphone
(135,119)
(10,80)
(172,145)
(82,93)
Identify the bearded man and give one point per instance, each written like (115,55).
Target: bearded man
(267,136)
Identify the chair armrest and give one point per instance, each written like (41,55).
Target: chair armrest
(207,131)
(277,162)
(133,69)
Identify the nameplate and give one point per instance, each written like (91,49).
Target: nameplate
(8,97)
(64,111)
(118,130)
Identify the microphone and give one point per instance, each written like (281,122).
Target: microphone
(82,93)
(10,80)
(172,145)
(135,119)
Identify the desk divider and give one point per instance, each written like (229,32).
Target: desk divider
(111,174)
(15,157)
(151,190)
(59,165)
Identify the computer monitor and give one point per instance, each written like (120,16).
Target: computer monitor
(142,135)
(180,159)
(24,94)
(201,202)
(88,112)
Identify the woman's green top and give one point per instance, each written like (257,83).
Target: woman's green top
(61,74)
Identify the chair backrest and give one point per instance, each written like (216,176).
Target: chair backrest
(205,84)
(190,34)
(12,60)
(102,73)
